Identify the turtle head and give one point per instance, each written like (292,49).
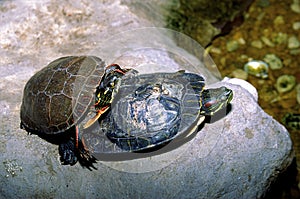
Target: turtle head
(215,99)
(113,73)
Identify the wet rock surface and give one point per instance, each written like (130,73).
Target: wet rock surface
(236,156)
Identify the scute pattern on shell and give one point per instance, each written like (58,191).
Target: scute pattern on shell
(57,97)
(135,123)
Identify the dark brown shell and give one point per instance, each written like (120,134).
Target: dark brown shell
(57,97)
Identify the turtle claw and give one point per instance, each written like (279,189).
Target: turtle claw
(86,159)
(84,156)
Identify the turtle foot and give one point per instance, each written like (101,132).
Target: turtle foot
(67,153)
(85,158)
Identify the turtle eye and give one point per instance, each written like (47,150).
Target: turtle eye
(112,84)
(223,98)
(208,104)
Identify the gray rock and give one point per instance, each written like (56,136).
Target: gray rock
(226,159)
(236,156)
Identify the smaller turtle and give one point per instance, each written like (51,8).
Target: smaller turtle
(150,110)
(58,97)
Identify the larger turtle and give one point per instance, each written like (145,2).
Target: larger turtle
(149,110)
(58,97)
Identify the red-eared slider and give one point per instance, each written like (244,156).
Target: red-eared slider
(58,97)
(149,110)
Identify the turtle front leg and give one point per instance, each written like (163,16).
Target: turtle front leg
(91,121)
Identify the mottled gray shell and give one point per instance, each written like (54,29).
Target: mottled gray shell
(181,95)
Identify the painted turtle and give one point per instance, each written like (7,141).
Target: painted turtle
(103,94)
(58,97)
(149,110)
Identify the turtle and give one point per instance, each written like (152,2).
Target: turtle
(103,94)
(58,97)
(150,110)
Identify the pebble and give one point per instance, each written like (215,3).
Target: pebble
(295,6)
(274,62)
(278,20)
(257,44)
(293,42)
(269,95)
(239,73)
(296,25)
(244,57)
(260,16)
(215,50)
(223,61)
(298,93)
(241,41)
(232,45)
(267,41)
(257,68)
(285,83)
(281,38)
